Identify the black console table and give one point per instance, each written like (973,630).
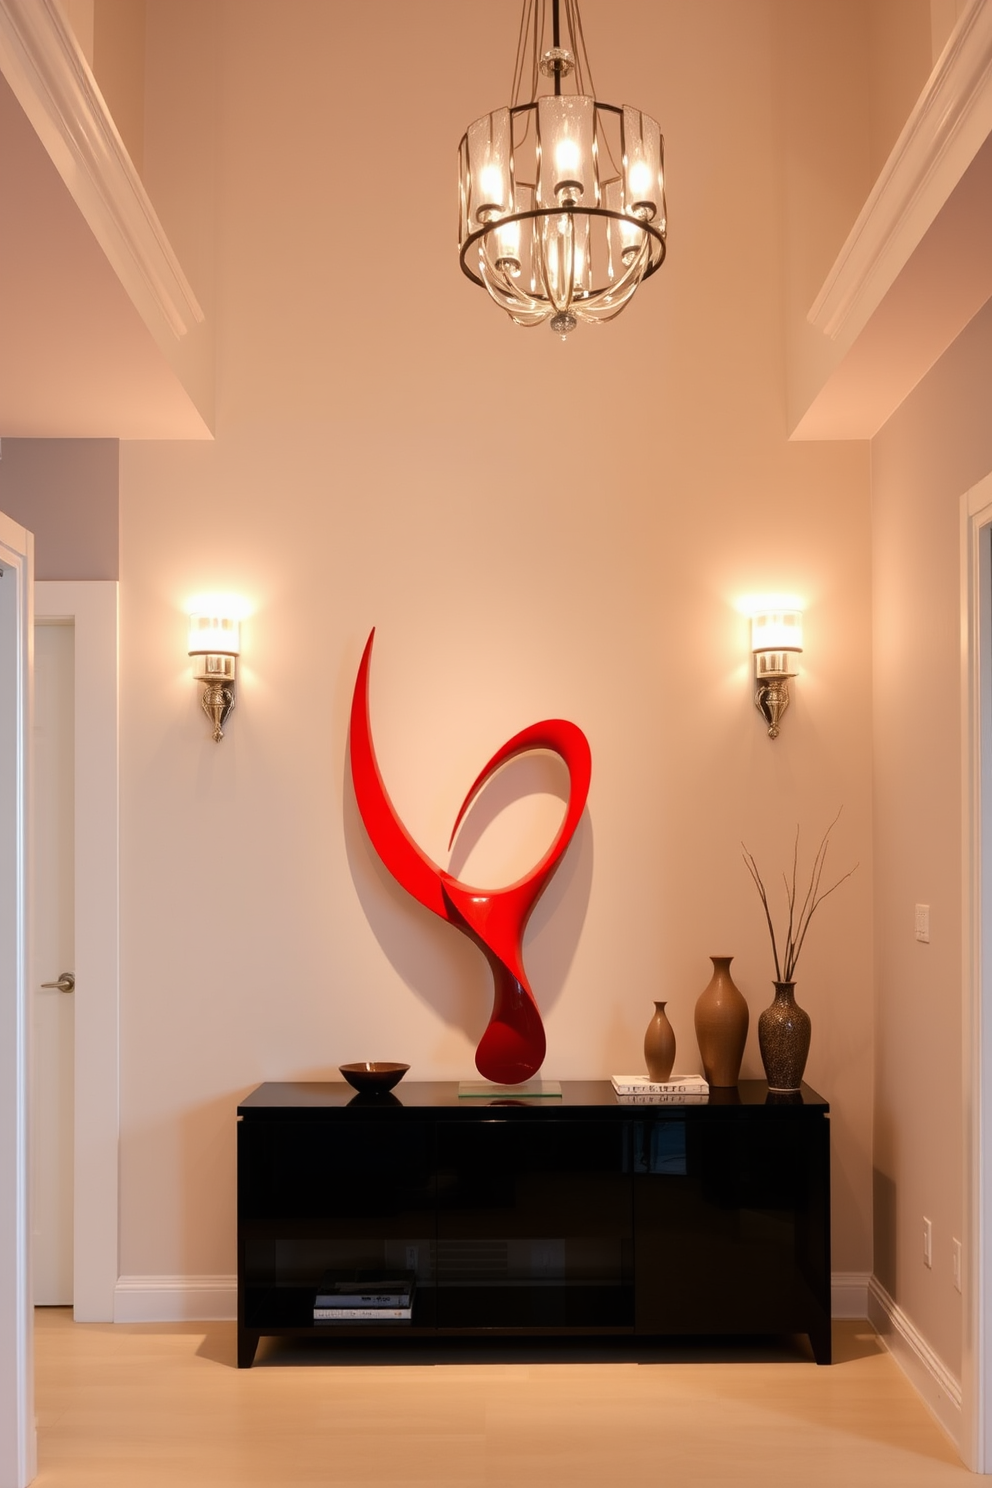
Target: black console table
(577,1215)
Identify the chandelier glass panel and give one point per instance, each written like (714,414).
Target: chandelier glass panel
(562,198)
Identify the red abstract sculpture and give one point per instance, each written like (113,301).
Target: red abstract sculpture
(512,1047)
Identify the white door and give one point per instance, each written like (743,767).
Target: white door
(52,957)
(89,608)
(976,1362)
(17,1430)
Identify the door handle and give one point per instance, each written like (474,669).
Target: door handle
(65,983)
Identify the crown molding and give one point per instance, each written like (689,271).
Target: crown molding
(948,126)
(49,76)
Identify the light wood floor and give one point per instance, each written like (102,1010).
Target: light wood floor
(161,1406)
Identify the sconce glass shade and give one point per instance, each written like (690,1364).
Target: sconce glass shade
(776,638)
(214,633)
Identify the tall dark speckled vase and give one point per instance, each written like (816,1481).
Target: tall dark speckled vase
(783,1037)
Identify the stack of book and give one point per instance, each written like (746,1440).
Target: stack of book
(364,1297)
(633,1090)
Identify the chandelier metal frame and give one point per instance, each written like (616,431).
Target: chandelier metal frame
(550,224)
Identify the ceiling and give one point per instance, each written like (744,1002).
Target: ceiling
(97,322)
(77,359)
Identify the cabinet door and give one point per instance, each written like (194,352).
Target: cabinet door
(316,1196)
(732,1223)
(334,1169)
(534,1225)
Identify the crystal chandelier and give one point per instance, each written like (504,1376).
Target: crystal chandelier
(562,198)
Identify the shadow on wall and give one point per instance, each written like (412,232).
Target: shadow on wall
(884,1225)
(438,963)
(208,1138)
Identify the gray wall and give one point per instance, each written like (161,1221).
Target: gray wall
(65,491)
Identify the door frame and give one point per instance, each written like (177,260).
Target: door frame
(976,836)
(18,1443)
(92,608)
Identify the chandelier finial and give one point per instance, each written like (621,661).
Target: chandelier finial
(557,62)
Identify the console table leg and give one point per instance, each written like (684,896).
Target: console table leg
(247,1344)
(822,1343)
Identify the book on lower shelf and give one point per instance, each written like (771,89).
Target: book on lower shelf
(678,1085)
(362,1314)
(364,1295)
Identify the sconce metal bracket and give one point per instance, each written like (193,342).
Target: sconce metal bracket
(217,702)
(771,700)
(219,672)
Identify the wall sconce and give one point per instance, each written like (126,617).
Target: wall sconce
(214,646)
(776,640)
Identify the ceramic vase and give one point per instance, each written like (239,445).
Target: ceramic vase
(783,1037)
(659,1046)
(721,1020)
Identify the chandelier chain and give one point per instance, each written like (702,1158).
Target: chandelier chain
(583,71)
(531,26)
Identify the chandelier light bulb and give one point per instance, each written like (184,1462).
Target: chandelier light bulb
(639,177)
(568,189)
(491,182)
(508,248)
(630,241)
(643,150)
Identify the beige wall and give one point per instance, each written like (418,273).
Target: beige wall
(934,449)
(119,67)
(900,58)
(851,72)
(535,529)
(823,67)
(183,85)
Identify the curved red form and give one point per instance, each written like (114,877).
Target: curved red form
(513,1045)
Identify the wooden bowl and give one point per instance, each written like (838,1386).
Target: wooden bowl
(373,1076)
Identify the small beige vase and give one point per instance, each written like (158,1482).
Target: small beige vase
(659,1045)
(721,1020)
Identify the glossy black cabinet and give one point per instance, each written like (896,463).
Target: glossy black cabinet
(534,1224)
(571,1216)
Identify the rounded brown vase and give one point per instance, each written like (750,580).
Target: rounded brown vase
(659,1046)
(721,1020)
(783,1037)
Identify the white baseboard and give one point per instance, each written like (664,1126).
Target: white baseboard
(929,1375)
(849,1294)
(181,1299)
(175,1299)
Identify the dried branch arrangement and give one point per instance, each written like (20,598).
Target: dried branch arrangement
(800,911)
